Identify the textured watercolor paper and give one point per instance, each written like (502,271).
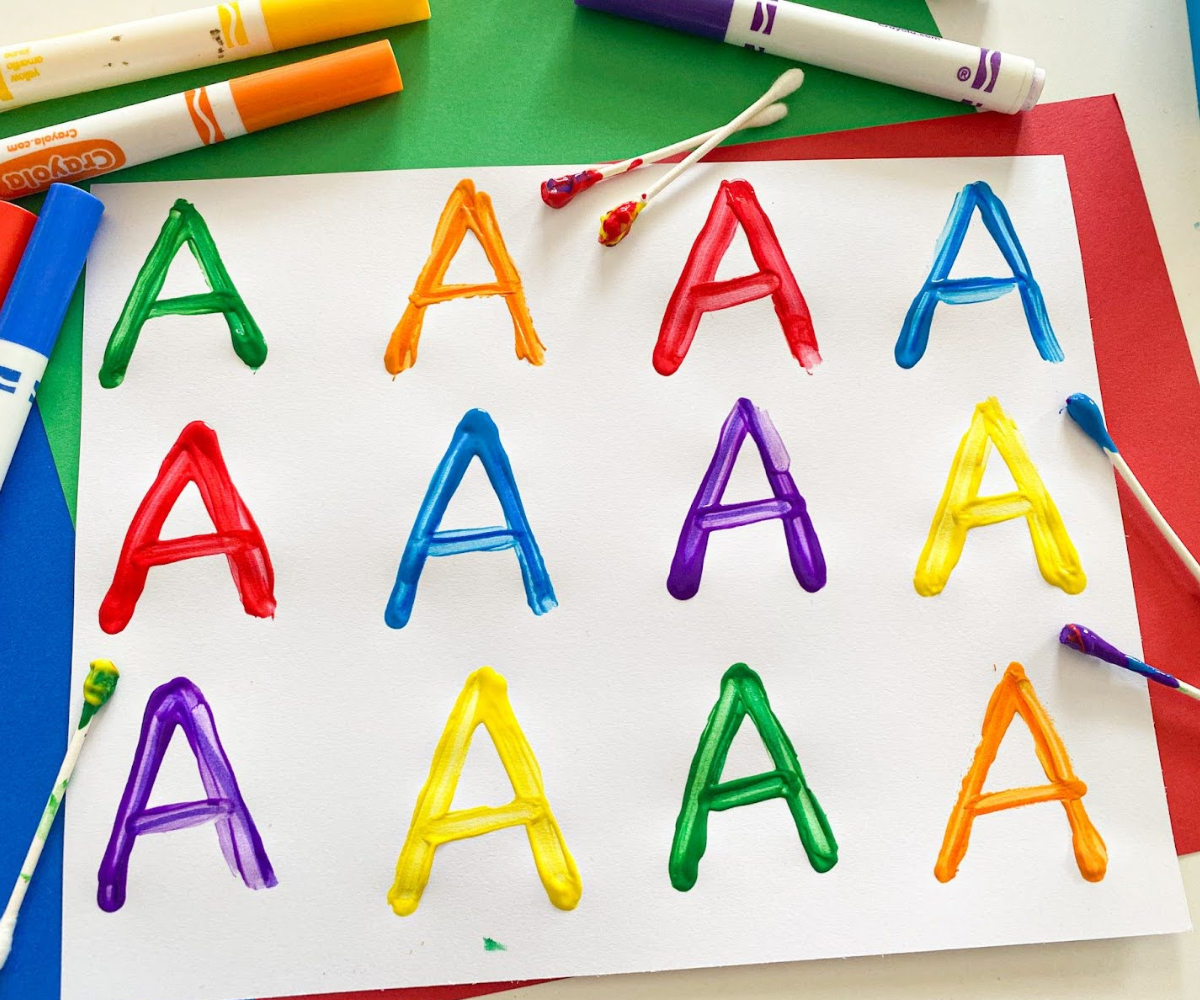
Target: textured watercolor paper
(330,717)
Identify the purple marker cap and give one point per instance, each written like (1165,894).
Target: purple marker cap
(707,18)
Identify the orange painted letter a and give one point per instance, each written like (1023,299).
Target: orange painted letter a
(1015,695)
(467,209)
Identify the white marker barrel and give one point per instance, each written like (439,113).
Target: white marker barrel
(123,137)
(123,53)
(21,369)
(986,78)
(969,74)
(95,145)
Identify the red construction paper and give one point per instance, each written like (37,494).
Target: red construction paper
(1151,393)
(423,992)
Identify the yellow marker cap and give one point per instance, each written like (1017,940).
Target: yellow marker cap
(292,23)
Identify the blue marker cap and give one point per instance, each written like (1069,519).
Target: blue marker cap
(1083,410)
(50,269)
(707,18)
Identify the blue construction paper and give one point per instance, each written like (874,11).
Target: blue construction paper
(37,544)
(1193,12)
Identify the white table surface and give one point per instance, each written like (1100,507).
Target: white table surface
(1140,51)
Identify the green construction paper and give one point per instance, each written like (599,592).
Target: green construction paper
(491,82)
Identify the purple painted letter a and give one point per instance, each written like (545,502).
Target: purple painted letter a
(708,514)
(179,703)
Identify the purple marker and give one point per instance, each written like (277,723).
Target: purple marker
(1086,641)
(986,78)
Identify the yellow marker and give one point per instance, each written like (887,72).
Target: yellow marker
(962,508)
(484,699)
(465,210)
(1015,695)
(86,61)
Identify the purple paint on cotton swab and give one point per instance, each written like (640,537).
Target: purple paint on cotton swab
(1086,641)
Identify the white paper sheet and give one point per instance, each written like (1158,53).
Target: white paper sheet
(330,718)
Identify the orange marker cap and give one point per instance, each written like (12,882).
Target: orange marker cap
(292,23)
(306,88)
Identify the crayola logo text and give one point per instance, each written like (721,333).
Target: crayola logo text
(73,161)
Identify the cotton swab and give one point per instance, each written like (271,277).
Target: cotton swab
(558,191)
(615,224)
(98,687)
(1084,411)
(1086,641)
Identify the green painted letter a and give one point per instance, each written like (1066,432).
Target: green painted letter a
(742,694)
(184,225)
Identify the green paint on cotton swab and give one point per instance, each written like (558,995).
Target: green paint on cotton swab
(98,687)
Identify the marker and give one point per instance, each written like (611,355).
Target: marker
(1083,410)
(139,133)
(37,303)
(16,226)
(1086,641)
(986,78)
(98,687)
(157,46)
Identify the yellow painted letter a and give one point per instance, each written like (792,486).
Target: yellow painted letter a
(484,699)
(962,508)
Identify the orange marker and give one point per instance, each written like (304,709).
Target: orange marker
(137,134)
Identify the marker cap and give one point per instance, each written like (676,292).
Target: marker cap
(50,269)
(310,87)
(292,23)
(707,18)
(16,225)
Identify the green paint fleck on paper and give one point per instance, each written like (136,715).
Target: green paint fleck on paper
(490,944)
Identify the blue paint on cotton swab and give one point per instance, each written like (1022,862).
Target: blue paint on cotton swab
(1084,411)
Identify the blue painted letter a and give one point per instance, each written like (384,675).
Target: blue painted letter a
(940,287)
(475,436)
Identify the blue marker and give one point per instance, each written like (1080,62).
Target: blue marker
(37,303)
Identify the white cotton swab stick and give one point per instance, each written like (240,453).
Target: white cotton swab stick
(98,687)
(558,191)
(1083,410)
(615,224)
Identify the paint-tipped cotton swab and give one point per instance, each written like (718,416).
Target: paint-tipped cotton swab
(615,224)
(1086,641)
(98,687)
(1084,411)
(558,191)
